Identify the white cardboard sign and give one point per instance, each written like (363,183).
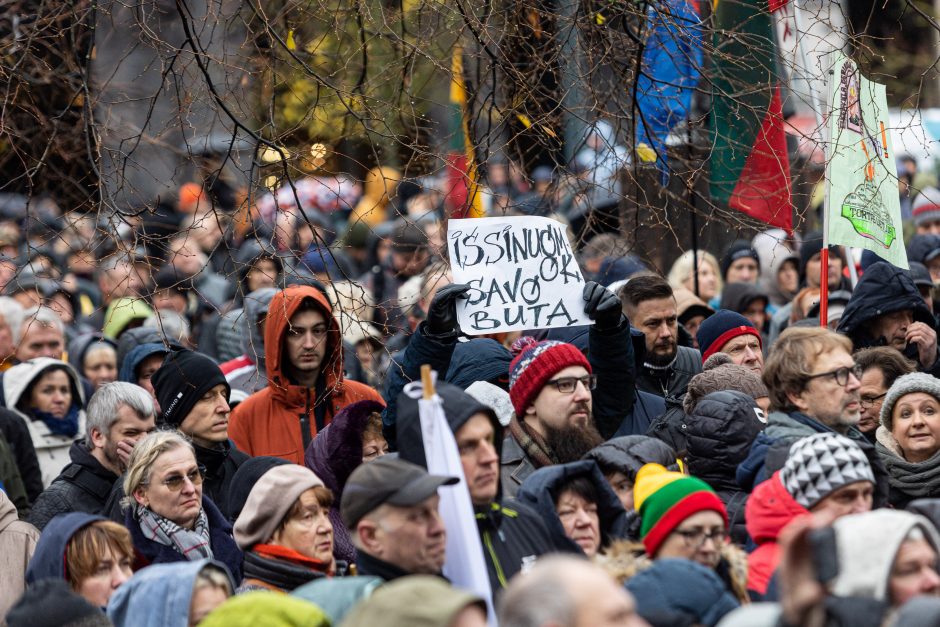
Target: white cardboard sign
(522,273)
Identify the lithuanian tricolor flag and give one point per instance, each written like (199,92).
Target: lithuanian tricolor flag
(750,168)
(463,194)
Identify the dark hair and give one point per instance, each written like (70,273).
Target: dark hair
(24,402)
(643,288)
(892,363)
(582,486)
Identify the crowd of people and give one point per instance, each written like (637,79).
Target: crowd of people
(203,420)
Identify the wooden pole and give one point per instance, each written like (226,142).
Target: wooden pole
(426,382)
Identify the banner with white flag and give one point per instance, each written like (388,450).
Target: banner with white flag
(864,205)
(464,565)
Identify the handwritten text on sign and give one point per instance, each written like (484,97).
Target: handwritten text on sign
(522,272)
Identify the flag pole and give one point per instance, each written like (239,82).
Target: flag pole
(427,383)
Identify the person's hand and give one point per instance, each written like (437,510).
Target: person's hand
(602,306)
(442,314)
(926,340)
(802,596)
(124,450)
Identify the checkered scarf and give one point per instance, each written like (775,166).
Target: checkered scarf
(193,545)
(532,443)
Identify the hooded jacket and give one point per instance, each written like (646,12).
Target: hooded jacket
(158,596)
(511,532)
(884,289)
(627,454)
(282,419)
(17,544)
(248,372)
(52,450)
(223,544)
(681,592)
(266,608)
(49,559)
(738,296)
(333,455)
(719,435)
(480,359)
(769,509)
(83,486)
(80,345)
(540,490)
(136,356)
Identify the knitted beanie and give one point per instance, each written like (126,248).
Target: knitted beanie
(820,464)
(720,328)
(269,501)
(720,373)
(535,365)
(664,499)
(914,382)
(738,250)
(182,380)
(926,207)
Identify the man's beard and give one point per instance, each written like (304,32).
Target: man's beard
(571,442)
(110,454)
(662,360)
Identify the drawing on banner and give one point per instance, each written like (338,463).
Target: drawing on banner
(865,209)
(850,111)
(522,273)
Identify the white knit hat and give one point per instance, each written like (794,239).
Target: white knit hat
(906,384)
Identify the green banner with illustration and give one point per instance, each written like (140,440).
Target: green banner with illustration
(864,208)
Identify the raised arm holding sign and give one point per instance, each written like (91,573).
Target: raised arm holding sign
(522,275)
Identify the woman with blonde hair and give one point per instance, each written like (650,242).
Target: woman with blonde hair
(709,277)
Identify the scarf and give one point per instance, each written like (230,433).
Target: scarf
(193,545)
(67,425)
(915,480)
(531,443)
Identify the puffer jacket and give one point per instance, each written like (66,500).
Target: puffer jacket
(333,455)
(513,534)
(17,543)
(719,434)
(769,509)
(248,372)
(539,491)
(83,486)
(52,450)
(282,419)
(627,454)
(885,289)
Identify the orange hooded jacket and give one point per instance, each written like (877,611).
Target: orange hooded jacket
(270,422)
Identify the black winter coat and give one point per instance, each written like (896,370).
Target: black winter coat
(83,486)
(21,445)
(671,382)
(719,434)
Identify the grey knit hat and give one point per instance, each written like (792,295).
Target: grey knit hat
(914,382)
(822,463)
(720,373)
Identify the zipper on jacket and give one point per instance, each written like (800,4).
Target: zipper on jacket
(499,569)
(305,424)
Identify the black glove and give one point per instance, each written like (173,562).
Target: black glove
(442,314)
(602,306)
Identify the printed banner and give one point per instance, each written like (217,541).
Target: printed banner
(522,272)
(864,207)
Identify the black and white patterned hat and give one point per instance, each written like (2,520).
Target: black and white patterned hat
(821,464)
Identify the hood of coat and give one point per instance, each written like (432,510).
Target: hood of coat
(252,342)
(629,453)
(281,309)
(48,561)
(883,289)
(336,451)
(738,296)
(540,490)
(128,372)
(7,511)
(18,379)
(481,359)
(80,345)
(249,253)
(719,434)
(159,595)
(682,590)
(769,509)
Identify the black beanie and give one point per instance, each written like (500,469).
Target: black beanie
(244,479)
(738,250)
(51,603)
(182,380)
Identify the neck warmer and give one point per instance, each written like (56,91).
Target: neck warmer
(193,545)
(532,443)
(282,567)
(915,480)
(67,425)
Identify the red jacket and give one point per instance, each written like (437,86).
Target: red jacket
(269,421)
(769,509)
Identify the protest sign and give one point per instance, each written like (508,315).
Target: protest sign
(864,206)
(522,273)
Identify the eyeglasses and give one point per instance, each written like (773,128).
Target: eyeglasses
(175,483)
(567,385)
(841,375)
(695,538)
(867,402)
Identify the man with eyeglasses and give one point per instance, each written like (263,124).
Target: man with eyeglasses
(814,388)
(881,366)
(303,348)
